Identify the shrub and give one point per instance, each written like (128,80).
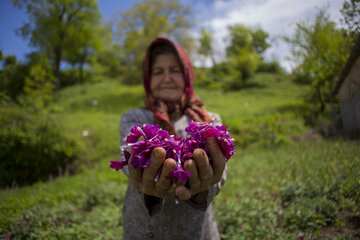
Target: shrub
(270,67)
(33,146)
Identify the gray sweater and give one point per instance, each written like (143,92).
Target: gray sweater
(147,217)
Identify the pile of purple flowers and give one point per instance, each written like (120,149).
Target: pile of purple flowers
(143,139)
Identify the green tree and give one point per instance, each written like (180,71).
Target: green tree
(205,48)
(147,20)
(12,76)
(242,57)
(61,29)
(351,15)
(259,40)
(40,81)
(109,60)
(320,50)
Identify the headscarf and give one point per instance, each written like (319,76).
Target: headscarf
(189,104)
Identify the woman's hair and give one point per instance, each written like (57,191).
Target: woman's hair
(161,49)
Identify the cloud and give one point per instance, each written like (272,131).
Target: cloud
(276,17)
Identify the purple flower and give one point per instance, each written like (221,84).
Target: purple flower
(117,165)
(180,174)
(143,139)
(146,131)
(199,132)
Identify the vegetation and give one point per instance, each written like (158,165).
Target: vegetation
(59,126)
(321,50)
(62,30)
(274,175)
(145,21)
(351,15)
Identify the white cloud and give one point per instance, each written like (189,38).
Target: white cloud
(276,17)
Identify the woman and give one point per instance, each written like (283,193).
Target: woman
(150,210)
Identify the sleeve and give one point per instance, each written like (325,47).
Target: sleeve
(128,120)
(202,200)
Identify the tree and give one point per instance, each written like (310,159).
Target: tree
(205,48)
(243,58)
(12,76)
(40,81)
(259,40)
(61,29)
(147,20)
(108,61)
(351,15)
(320,50)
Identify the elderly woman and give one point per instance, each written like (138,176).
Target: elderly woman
(150,210)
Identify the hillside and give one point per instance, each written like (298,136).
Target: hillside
(279,186)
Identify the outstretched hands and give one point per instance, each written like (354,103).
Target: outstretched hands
(203,174)
(145,181)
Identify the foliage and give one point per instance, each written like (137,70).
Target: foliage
(81,211)
(33,78)
(205,48)
(243,54)
(205,43)
(109,61)
(40,82)
(146,20)
(270,189)
(12,76)
(259,40)
(208,78)
(286,192)
(320,50)
(351,15)
(259,116)
(270,67)
(33,146)
(62,30)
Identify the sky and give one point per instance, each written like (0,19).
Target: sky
(276,17)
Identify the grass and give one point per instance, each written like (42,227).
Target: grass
(276,188)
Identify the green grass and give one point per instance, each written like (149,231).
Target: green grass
(320,174)
(276,188)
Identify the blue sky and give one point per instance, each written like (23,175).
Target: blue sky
(276,17)
(12,18)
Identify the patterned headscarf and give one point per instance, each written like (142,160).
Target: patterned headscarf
(189,104)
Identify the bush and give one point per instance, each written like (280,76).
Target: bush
(33,146)
(270,67)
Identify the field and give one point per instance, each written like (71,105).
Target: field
(283,183)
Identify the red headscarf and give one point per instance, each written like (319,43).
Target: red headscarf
(189,104)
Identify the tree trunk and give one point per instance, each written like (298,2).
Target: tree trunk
(214,64)
(57,62)
(82,63)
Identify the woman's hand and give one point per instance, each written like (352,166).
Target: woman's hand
(203,175)
(145,181)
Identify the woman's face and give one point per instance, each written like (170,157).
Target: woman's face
(167,81)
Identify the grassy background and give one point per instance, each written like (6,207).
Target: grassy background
(277,187)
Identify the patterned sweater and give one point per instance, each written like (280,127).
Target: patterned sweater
(148,217)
